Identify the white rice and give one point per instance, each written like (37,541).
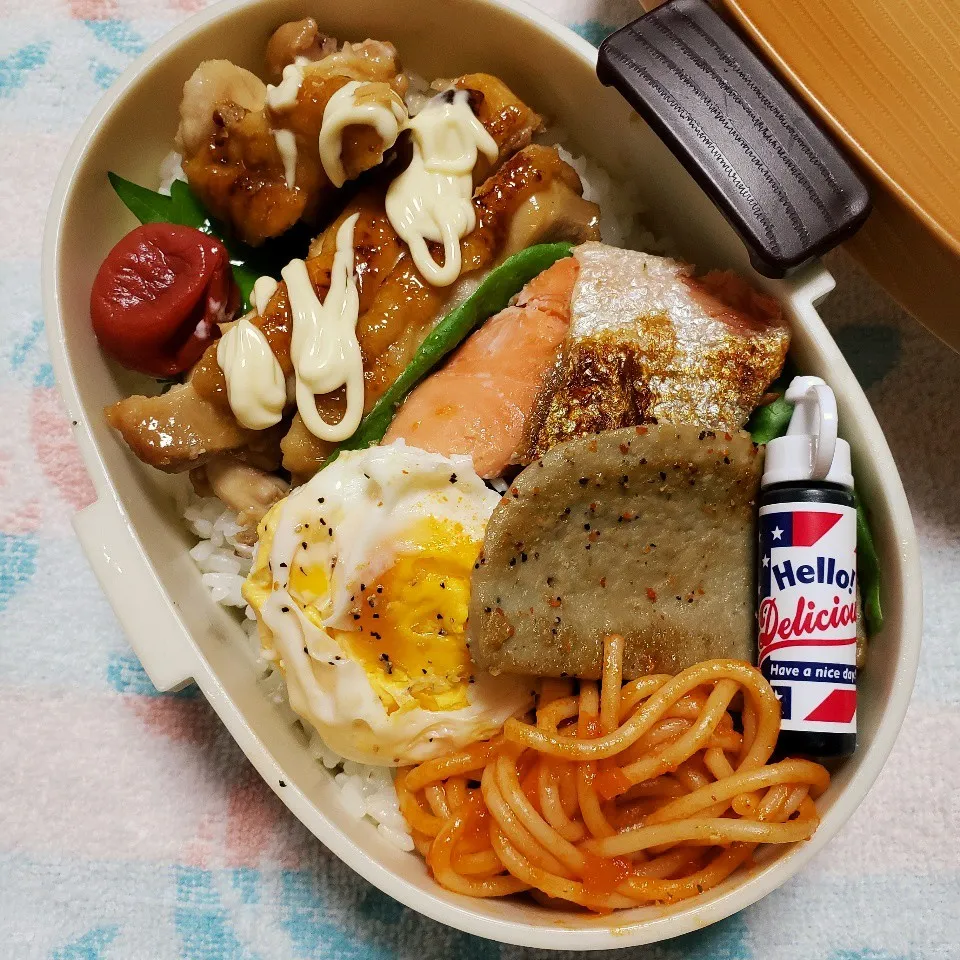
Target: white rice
(418,93)
(367,792)
(171,169)
(621,206)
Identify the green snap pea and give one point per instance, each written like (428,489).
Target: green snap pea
(770,420)
(490,297)
(868,570)
(180,206)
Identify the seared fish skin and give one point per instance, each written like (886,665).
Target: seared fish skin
(649,342)
(647,532)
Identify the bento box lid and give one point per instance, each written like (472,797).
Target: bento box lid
(884,77)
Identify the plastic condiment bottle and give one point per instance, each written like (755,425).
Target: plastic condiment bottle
(807,562)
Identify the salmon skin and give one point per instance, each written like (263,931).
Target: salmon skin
(605,339)
(479,402)
(649,342)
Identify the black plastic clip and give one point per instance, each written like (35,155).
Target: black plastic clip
(782,183)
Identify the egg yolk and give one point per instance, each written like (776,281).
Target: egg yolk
(410,622)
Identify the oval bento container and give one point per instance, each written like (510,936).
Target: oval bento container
(136,541)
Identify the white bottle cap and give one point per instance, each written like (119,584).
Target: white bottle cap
(811,449)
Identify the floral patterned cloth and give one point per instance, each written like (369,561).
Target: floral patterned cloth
(131,826)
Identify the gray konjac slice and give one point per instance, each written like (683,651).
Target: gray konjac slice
(645,532)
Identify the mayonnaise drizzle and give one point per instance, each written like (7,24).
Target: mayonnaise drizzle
(263,290)
(363,103)
(431,199)
(324,348)
(287,146)
(256,387)
(284,94)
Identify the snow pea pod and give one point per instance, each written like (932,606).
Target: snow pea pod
(490,297)
(181,207)
(770,421)
(868,568)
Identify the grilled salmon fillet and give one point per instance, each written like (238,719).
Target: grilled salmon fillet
(607,338)
(649,342)
(479,402)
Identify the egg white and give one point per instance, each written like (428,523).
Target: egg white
(351,522)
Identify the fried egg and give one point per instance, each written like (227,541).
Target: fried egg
(361,585)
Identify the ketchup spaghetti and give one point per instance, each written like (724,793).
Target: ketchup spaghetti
(620,794)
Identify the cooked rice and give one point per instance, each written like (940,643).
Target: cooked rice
(418,93)
(171,168)
(366,791)
(621,206)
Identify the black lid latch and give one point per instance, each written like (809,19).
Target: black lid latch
(782,183)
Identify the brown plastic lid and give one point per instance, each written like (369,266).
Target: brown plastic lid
(884,77)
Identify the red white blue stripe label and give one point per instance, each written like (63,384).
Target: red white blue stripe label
(807,613)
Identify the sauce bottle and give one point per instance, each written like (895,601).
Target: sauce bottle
(807,573)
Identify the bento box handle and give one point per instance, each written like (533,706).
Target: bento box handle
(146,615)
(783,184)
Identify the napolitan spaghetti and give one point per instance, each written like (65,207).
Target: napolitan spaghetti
(619,795)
